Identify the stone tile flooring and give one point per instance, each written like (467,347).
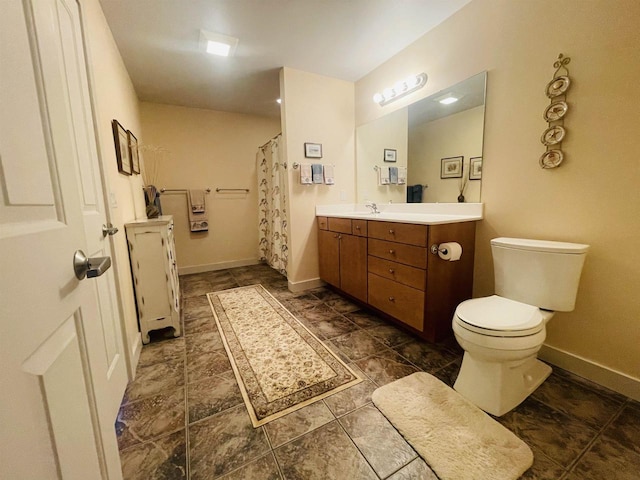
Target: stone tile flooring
(184,418)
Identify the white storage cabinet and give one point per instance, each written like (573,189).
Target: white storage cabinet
(155,274)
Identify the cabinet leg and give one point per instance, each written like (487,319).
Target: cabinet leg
(145,338)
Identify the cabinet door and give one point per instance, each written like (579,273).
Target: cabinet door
(329,253)
(353,266)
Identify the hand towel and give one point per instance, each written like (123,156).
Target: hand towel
(197,200)
(316,172)
(328,175)
(383,175)
(393,175)
(198,220)
(414,194)
(402,175)
(305,174)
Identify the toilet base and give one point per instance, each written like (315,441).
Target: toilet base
(496,387)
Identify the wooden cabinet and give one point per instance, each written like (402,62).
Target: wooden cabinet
(401,278)
(343,257)
(155,274)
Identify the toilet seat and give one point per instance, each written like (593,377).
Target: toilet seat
(496,316)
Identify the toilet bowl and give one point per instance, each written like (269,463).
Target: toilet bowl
(502,334)
(501,338)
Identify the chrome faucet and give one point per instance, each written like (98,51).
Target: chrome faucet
(373,207)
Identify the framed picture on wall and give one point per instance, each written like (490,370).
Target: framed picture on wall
(475,168)
(121,140)
(451,167)
(313,150)
(390,155)
(133,152)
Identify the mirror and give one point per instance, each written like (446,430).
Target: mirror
(423,134)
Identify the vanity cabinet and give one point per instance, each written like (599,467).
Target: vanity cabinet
(402,278)
(343,258)
(155,274)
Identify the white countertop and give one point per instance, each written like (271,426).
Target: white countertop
(419,213)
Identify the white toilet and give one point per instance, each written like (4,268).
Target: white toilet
(502,334)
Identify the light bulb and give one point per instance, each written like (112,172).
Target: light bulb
(378,98)
(388,93)
(401,86)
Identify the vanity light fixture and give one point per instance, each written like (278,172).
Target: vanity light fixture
(400,89)
(218,44)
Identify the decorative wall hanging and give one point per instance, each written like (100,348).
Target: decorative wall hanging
(475,168)
(451,167)
(390,155)
(313,150)
(555,113)
(121,140)
(133,152)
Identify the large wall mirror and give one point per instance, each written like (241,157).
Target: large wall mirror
(439,141)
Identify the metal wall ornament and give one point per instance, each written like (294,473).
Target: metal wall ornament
(555,113)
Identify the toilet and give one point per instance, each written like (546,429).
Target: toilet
(501,334)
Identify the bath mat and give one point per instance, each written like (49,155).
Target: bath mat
(457,439)
(279,364)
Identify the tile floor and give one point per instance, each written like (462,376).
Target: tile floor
(184,418)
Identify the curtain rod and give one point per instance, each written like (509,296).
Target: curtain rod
(270,140)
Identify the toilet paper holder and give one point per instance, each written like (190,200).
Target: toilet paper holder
(435,248)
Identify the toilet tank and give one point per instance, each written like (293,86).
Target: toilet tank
(538,272)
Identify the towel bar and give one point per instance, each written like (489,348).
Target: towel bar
(246,190)
(180,190)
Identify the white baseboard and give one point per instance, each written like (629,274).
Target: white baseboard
(296,287)
(217,266)
(612,379)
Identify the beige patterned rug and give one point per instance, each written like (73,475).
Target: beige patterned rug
(279,364)
(457,439)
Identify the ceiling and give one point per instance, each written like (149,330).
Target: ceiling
(345,39)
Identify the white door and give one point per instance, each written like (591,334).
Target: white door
(63,369)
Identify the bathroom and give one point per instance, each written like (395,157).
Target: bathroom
(592,198)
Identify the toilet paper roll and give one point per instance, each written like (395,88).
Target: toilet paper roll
(450,251)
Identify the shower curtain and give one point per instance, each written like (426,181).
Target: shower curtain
(272,206)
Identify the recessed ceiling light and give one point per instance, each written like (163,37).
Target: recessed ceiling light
(218,44)
(448,100)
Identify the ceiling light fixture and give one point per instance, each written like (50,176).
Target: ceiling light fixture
(400,89)
(448,98)
(218,44)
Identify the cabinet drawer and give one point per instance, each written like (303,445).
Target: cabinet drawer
(322,223)
(398,252)
(360,227)
(400,301)
(399,232)
(342,225)
(411,276)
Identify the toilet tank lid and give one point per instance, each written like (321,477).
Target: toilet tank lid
(540,245)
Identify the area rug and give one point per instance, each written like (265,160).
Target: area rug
(457,439)
(279,364)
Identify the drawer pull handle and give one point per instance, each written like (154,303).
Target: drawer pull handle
(391,299)
(335,236)
(392,271)
(357,227)
(391,231)
(392,251)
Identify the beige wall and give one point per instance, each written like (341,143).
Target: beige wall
(315,109)
(205,148)
(594,197)
(451,136)
(115,97)
(371,140)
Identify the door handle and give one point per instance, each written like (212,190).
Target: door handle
(89,267)
(109,229)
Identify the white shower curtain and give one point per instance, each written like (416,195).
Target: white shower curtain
(273,245)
